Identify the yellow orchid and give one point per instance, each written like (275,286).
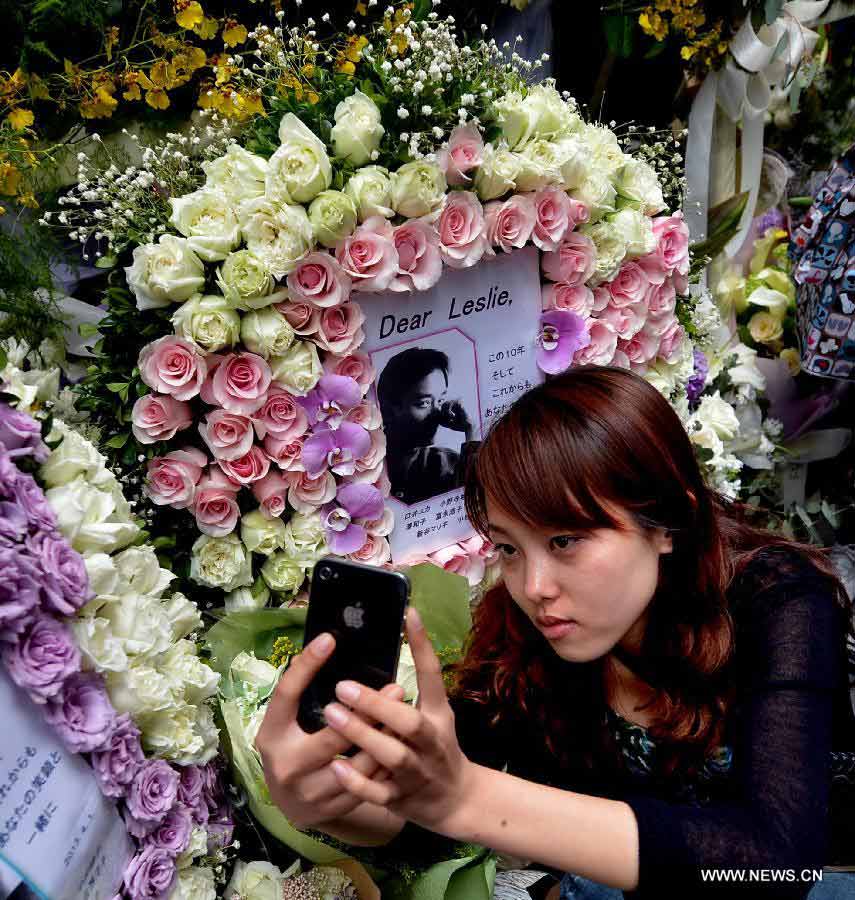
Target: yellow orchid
(10,178)
(207,28)
(20,118)
(188,13)
(234,33)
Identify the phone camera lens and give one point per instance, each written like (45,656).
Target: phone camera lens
(325,573)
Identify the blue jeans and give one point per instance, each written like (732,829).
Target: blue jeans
(834,886)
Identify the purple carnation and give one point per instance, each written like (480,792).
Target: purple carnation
(20,591)
(151,874)
(82,713)
(695,385)
(66,582)
(32,500)
(21,435)
(44,656)
(117,763)
(151,795)
(173,833)
(191,795)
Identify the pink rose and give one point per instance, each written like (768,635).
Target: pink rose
(462,230)
(602,298)
(303,317)
(419,260)
(227,434)
(157,418)
(641,349)
(573,262)
(320,280)
(250,467)
(621,360)
(484,549)
(672,342)
(356,365)
(172,365)
(281,416)
(241,382)
(630,285)
(579,213)
(681,283)
(171,480)
(366,414)
(374,552)
(340,328)
(575,297)
(662,298)
(456,559)
(370,463)
(271,492)
(510,223)
(601,347)
(307,494)
(369,259)
(285,453)
(215,477)
(672,234)
(465,152)
(627,321)
(552,217)
(383,526)
(216,508)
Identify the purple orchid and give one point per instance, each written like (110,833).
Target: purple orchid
(337,450)
(332,398)
(562,334)
(353,501)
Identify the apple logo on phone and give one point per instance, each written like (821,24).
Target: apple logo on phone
(353,616)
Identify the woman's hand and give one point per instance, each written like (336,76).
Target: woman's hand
(429,778)
(296,764)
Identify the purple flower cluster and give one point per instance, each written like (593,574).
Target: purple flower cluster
(695,385)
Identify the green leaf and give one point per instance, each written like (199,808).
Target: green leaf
(106,262)
(250,630)
(118,441)
(87,329)
(655,50)
(442,599)
(723,224)
(620,34)
(117,386)
(4,358)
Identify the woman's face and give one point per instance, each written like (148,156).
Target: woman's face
(603,580)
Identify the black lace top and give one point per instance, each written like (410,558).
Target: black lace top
(765,799)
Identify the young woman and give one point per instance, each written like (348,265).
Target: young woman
(662,683)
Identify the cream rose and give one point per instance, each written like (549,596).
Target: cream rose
(209,321)
(165,272)
(266,332)
(497,173)
(278,234)
(538,166)
(298,369)
(260,534)
(719,415)
(793,360)
(247,598)
(255,881)
(239,174)
(418,188)
(604,150)
(300,168)
(221,562)
(638,186)
(195,883)
(357,131)
(92,519)
(206,218)
(370,188)
(636,229)
(765,328)
(597,193)
(246,281)
(333,217)
(282,574)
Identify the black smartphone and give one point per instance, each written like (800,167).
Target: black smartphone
(363,608)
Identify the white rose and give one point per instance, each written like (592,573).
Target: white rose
(209,321)
(140,690)
(239,174)
(745,372)
(719,415)
(597,193)
(191,678)
(611,250)
(266,332)
(165,272)
(103,577)
(553,117)
(101,650)
(333,217)
(605,151)
(139,622)
(300,168)
(185,735)
(370,188)
(282,573)
(662,378)
(304,540)
(406,674)
(538,166)
(184,616)
(418,188)
(516,118)
(246,281)
(571,159)
(639,185)
(260,534)
(357,131)
(255,881)
(636,229)
(197,847)
(247,598)
(195,883)
(93,520)
(704,436)
(278,234)
(221,562)
(257,673)
(298,369)
(140,571)
(73,457)
(206,218)
(497,173)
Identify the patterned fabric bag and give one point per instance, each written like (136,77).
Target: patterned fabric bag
(823,248)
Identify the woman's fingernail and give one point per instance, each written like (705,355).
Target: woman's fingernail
(347,691)
(322,643)
(335,714)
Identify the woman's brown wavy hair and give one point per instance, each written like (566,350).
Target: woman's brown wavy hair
(592,437)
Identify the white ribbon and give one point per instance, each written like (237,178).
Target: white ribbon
(757,62)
